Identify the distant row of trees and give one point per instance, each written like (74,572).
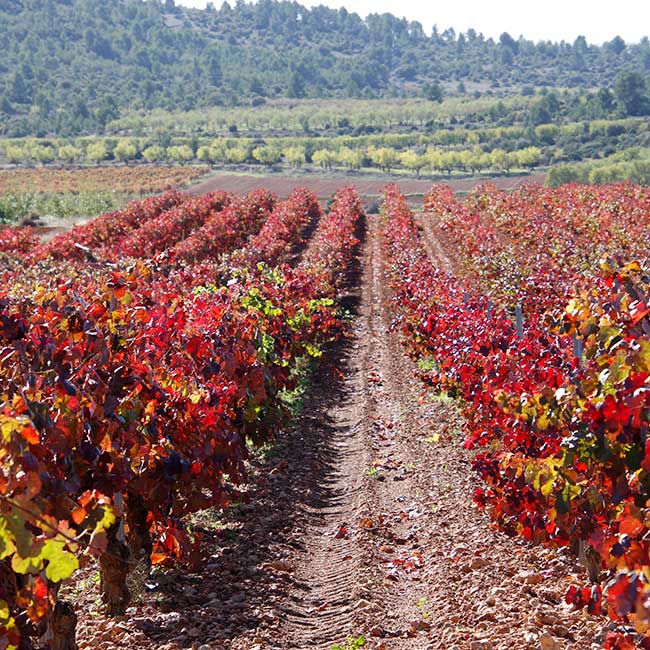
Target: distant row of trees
(628,165)
(231,153)
(579,138)
(435,160)
(97,152)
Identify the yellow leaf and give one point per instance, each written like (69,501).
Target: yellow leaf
(61,563)
(547,488)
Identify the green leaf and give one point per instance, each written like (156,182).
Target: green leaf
(23,539)
(313,351)
(23,565)
(61,563)
(7,545)
(5,613)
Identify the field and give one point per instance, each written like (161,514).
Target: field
(70,194)
(236,419)
(324,186)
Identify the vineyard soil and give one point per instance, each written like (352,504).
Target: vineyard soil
(360,523)
(324,185)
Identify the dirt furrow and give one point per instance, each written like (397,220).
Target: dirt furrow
(431,230)
(332,567)
(327,580)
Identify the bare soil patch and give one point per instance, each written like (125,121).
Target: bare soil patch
(326,185)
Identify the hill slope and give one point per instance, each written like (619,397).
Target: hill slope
(69,66)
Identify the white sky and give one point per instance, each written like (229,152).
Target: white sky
(597,20)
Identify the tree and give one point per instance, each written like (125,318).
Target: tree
(15,154)
(547,133)
(449,160)
(5,105)
(267,155)
(18,90)
(544,110)
(529,157)
(237,155)
(295,156)
(351,158)
(97,151)
(465,159)
(502,160)
(154,153)
(616,45)
(182,153)
(124,151)
(213,67)
(296,85)
(434,160)
(484,161)
(324,157)
(564,174)
(257,88)
(473,159)
(605,101)
(69,153)
(384,157)
(630,92)
(217,151)
(42,153)
(203,154)
(413,161)
(508,42)
(433,92)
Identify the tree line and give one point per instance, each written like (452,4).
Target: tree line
(234,152)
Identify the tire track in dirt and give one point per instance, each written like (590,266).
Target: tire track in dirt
(366,582)
(332,567)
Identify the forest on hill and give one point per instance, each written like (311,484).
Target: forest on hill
(72,66)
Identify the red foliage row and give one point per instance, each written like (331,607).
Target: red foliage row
(330,250)
(17,241)
(226,230)
(536,244)
(126,387)
(171,226)
(282,233)
(568,460)
(107,230)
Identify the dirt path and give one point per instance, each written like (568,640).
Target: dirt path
(395,550)
(432,236)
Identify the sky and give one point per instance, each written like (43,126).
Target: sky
(556,20)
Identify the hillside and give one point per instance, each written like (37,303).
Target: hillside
(71,66)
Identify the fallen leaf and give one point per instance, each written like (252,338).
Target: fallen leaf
(279,565)
(341,533)
(320,608)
